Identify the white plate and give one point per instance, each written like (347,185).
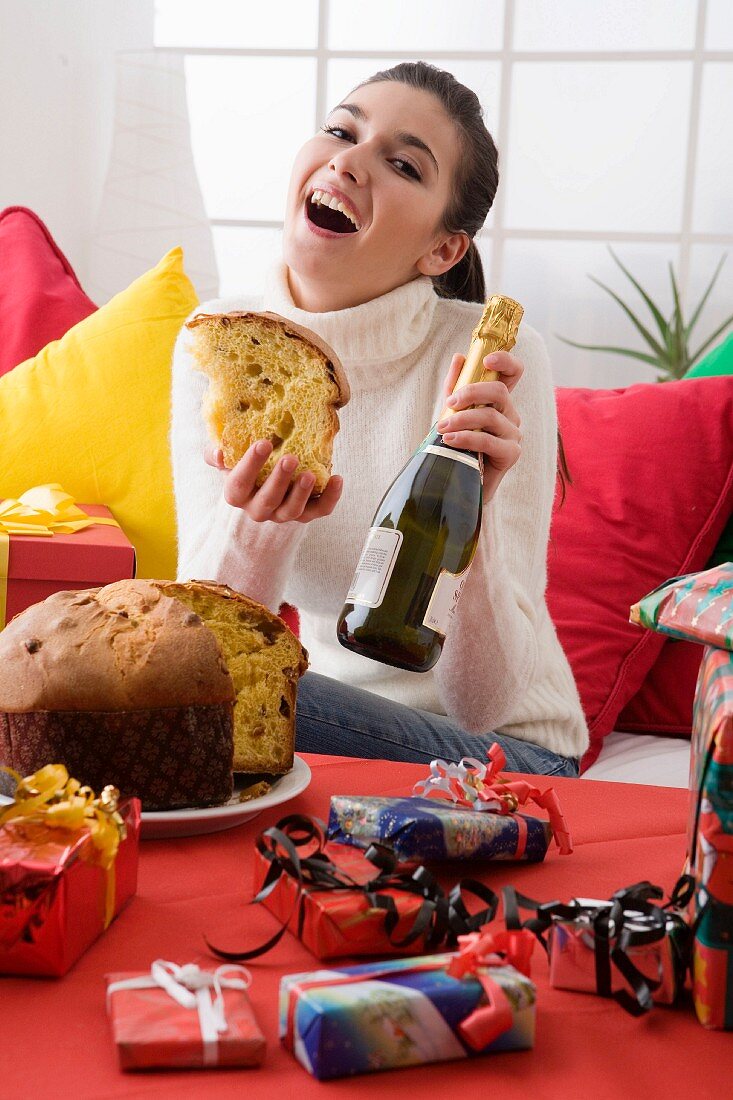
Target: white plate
(158,824)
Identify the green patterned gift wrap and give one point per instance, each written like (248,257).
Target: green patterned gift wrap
(711,839)
(699,607)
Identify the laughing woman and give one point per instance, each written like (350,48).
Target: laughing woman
(395,287)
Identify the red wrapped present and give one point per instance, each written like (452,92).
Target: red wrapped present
(628,947)
(347,902)
(68,865)
(182,1017)
(48,543)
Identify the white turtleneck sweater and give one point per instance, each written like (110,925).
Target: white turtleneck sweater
(502,666)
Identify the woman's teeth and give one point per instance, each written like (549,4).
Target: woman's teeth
(321,198)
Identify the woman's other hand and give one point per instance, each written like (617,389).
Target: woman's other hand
(278,499)
(484,418)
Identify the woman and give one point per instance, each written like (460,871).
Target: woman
(396,293)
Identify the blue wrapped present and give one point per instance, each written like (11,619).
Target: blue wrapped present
(425,829)
(466,810)
(407,1012)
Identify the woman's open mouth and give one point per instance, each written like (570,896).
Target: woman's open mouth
(326,213)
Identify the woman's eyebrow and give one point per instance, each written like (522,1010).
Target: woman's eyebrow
(401,135)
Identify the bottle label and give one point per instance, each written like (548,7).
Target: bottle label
(375,567)
(443,602)
(457,456)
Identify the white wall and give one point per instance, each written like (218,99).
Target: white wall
(57,78)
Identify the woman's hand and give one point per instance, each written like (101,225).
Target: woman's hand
(492,427)
(278,498)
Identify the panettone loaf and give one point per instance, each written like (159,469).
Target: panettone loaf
(270,378)
(142,683)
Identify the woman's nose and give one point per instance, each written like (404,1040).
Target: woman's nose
(350,162)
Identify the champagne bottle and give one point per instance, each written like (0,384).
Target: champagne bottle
(425,531)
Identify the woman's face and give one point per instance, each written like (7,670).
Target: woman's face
(390,159)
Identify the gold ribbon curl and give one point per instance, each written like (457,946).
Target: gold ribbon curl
(51,798)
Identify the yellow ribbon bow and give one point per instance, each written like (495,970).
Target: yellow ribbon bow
(45,511)
(50,797)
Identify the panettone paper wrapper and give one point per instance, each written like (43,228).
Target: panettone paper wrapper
(152,1031)
(400,1013)
(53,893)
(711,839)
(168,757)
(427,829)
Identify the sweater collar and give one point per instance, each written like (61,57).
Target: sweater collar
(379,333)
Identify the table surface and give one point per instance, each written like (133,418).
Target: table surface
(55,1037)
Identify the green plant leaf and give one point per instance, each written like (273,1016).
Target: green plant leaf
(618,351)
(680,358)
(654,344)
(708,342)
(656,312)
(703,300)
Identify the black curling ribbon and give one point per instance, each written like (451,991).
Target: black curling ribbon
(630,918)
(441,918)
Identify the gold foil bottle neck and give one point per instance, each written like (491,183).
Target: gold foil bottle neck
(499,322)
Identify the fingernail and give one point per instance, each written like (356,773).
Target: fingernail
(449,437)
(307,481)
(443,424)
(262,448)
(491,359)
(289,463)
(452,400)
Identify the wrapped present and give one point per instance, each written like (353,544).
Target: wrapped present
(68,865)
(627,947)
(460,811)
(181,1017)
(343,902)
(711,839)
(409,1011)
(699,606)
(49,543)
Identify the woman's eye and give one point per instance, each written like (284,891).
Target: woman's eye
(408,169)
(335,130)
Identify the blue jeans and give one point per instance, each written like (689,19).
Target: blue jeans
(339,720)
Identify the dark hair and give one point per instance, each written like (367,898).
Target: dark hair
(477,177)
(474,188)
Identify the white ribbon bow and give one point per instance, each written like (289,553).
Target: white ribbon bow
(191,987)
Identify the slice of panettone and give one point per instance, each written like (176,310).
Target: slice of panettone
(269,378)
(265,661)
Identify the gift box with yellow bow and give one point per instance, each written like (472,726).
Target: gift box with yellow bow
(68,865)
(49,543)
(410,1011)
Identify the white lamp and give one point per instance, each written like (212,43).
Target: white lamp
(151,199)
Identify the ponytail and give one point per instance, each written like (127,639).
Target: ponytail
(465,280)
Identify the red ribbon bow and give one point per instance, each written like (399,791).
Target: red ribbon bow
(480,950)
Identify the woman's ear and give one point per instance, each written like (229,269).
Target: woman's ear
(444,255)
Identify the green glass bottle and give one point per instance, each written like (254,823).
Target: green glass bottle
(425,531)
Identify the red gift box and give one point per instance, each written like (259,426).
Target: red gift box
(181,1017)
(54,900)
(40,565)
(337,923)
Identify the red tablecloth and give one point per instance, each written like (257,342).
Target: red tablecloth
(55,1038)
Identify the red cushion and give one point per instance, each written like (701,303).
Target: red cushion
(663,703)
(652,469)
(40,296)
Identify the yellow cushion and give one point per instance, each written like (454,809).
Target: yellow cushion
(92,411)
